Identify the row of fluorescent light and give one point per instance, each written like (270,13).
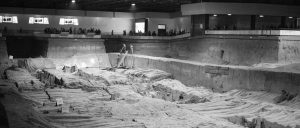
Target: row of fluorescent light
(261,16)
(73,1)
(227,14)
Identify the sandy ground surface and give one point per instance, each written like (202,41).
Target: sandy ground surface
(138,98)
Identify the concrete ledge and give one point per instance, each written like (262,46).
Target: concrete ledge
(63,35)
(147,37)
(218,77)
(66,35)
(254,32)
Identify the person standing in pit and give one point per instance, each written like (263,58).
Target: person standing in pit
(131,48)
(121,56)
(132,58)
(123,49)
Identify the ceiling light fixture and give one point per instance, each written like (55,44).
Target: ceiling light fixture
(73,1)
(291,17)
(133,4)
(261,16)
(229,14)
(215,15)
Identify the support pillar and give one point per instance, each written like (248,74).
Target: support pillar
(283,22)
(253,22)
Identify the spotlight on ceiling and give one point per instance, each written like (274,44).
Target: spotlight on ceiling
(261,16)
(133,4)
(290,17)
(229,14)
(215,15)
(73,1)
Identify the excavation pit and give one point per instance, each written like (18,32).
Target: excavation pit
(146,91)
(139,97)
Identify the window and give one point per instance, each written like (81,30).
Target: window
(140,27)
(38,20)
(161,26)
(68,21)
(9,19)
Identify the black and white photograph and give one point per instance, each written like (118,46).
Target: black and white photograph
(150,64)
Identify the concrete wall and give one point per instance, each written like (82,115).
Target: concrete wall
(140,46)
(66,48)
(80,52)
(217,49)
(230,50)
(178,23)
(106,24)
(289,50)
(219,78)
(183,23)
(153,24)
(267,21)
(25,47)
(106,21)
(241,22)
(32,47)
(3,50)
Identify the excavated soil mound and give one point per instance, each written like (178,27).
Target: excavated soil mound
(36,63)
(53,77)
(145,75)
(23,79)
(109,76)
(174,90)
(20,111)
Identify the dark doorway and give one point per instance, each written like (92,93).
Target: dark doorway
(162,29)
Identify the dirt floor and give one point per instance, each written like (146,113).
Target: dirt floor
(135,98)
